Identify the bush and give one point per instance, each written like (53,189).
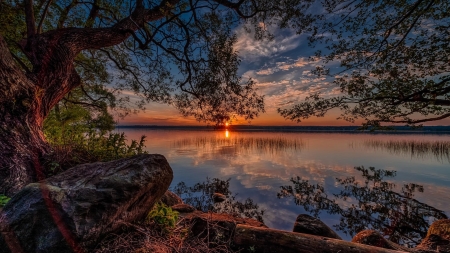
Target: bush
(3,200)
(163,216)
(79,136)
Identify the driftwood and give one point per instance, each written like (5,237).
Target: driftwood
(264,240)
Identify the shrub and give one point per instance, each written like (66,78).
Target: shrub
(163,216)
(3,200)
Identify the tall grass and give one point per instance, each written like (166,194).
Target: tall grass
(421,149)
(243,144)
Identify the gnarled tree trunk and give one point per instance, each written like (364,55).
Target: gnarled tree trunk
(28,95)
(22,143)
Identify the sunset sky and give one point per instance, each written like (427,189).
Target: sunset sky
(283,74)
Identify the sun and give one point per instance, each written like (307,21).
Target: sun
(227,124)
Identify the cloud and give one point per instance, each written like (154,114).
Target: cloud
(287,65)
(251,49)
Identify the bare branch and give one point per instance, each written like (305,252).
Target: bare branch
(39,28)
(29,18)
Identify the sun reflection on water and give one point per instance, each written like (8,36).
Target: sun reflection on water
(227,134)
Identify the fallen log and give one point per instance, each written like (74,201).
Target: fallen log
(266,240)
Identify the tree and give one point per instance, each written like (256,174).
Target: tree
(373,204)
(393,59)
(173,51)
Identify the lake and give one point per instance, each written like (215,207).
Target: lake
(349,180)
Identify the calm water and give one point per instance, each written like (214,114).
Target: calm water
(260,163)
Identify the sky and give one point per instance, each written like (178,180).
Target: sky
(282,71)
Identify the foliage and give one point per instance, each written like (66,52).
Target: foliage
(373,205)
(79,134)
(393,59)
(3,200)
(163,216)
(177,52)
(200,197)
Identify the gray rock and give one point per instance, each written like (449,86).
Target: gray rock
(307,224)
(183,208)
(71,211)
(170,199)
(218,197)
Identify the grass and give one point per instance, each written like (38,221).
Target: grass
(421,149)
(243,145)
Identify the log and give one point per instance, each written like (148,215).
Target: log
(265,240)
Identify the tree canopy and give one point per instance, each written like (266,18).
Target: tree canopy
(393,58)
(178,52)
(172,51)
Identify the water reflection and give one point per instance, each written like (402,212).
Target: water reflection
(420,149)
(318,157)
(371,203)
(245,145)
(200,197)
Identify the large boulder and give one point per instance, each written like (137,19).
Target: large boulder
(307,224)
(438,237)
(71,211)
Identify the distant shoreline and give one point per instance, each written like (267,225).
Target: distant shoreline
(332,129)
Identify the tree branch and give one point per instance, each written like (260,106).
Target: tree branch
(21,63)
(39,28)
(29,18)
(21,87)
(92,14)
(83,103)
(444,116)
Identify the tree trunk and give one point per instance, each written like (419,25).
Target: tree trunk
(22,142)
(265,240)
(21,150)
(28,95)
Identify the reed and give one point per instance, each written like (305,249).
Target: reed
(243,144)
(421,149)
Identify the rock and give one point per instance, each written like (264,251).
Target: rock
(71,211)
(219,226)
(373,238)
(170,199)
(307,224)
(438,237)
(440,228)
(218,197)
(183,208)
(433,243)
